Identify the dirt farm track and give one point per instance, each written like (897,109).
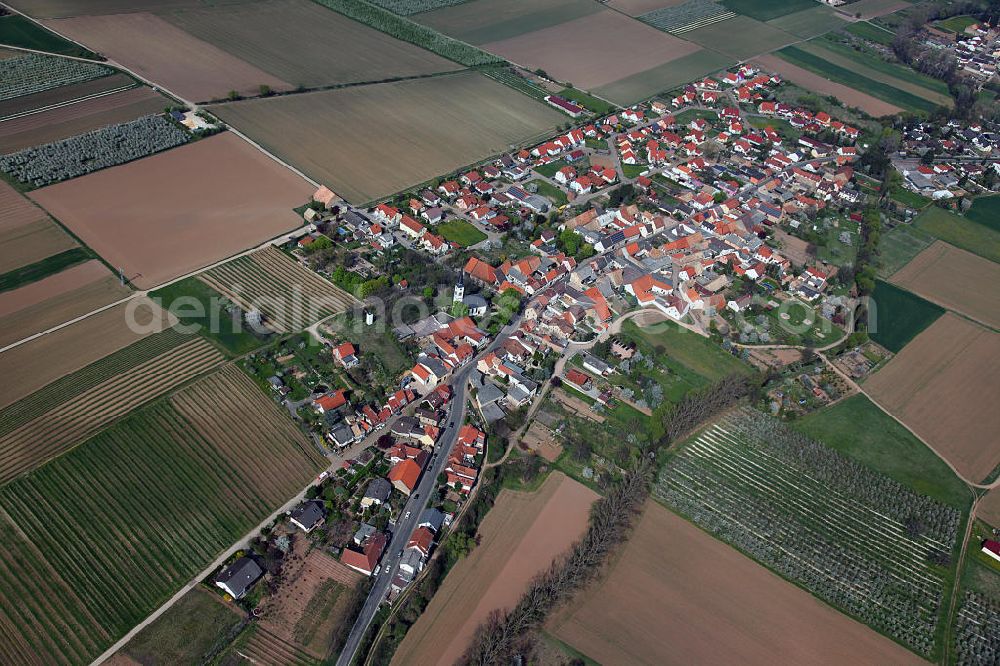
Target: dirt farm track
(678,596)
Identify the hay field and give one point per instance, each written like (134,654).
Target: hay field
(64,8)
(67,423)
(163,53)
(955,279)
(367,142)
(741,37)
(32,365)
(66,121)
(816,83)
(305,44)
(520,537)
(943,385)
(481,21)
(128,517)
(289,295)
(594,50)
(169,214)
(48,302)
(27,234)
(676,595)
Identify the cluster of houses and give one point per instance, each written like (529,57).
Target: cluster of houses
(977,50)
(960,157)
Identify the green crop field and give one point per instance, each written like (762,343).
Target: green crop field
(851,78)
(484,21)
(550,191)
(957,24)
(697,353)
(15,30)
(461,232)
(590,102)
(809,23)
(908,197)
(986,211)
(859,429)
(820,519)
(871,32)
(128,517)
(44,268)
(766,10)
(898,247)
(877,69)
(509,77)
(899,316)
(741,37)
(665,77)
(956,230)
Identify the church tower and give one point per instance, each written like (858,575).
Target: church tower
(459,288)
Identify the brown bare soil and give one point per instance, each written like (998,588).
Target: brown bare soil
(30,366)
(40,305)
(27,234)
(817,83)
(311,601)
(955,279)
(66,425)
(944,386)
(594,50)
(796,249)
(638,7)
(577,405)
(872,8)
(9,107)
(307,44)
(167,215)
(675,595)
(163,53)
(65,121)
(365,142)
(521,536)
(540,440)
(288,294)
(989,508)
(61,8)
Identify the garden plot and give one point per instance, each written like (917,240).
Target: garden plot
(854,538)
(290,297)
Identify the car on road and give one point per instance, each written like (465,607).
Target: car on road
(407,515)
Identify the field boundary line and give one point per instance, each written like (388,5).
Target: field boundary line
(71,102)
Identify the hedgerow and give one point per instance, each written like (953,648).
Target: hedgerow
(408,7)
(102,148)
(32,73)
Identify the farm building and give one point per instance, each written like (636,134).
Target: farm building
(239,577)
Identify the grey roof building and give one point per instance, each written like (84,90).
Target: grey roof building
(431,518)
(308,515)
(378,491)
(239,577)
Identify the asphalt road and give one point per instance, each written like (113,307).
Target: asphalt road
(417,502)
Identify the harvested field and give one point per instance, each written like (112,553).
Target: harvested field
(27,234)
(307,44)
(816,83)
(311,601)
(181,210)
(872,8)
(520,537)
(423,128)
(187,633)
(66,121)
(627,47)
(32,365)
(40,305)
(67,423)
(741,37)
(637,7)
(64,8)
(125,528)
(163,53)
(666,76)
(942,274)
(481,21)
(63,94)
(676,595)
(943,385)
(289,295)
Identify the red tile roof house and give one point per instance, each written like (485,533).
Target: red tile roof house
(421,539)
(367,560)
(346,354)
(578,379)
(405,475)
(331,401)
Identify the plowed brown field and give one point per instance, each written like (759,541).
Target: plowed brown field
(678,596)
(70,423)
(521,536)
(30,366)
(27,234)
(167,215)
(955,279)
(48,302)
(817,83)
(163,53)
(943,385)
(9,107)
(79,118)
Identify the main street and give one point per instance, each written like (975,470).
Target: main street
(418,501)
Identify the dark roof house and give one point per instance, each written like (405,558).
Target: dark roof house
(239,577)
(308,515)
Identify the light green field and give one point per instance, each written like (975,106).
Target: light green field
(665,77)
(461,232)
(741,37)
(957,24)
(898,247)
(960,232)
(809,23)
(871,32)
